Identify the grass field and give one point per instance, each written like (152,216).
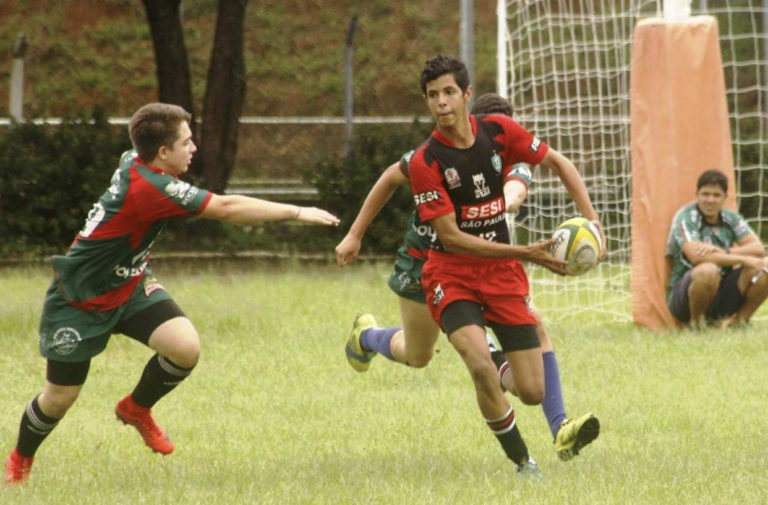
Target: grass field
(274,415)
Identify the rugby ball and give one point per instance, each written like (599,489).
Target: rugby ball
(577,241)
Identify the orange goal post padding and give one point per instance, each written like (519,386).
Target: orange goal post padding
(679,128)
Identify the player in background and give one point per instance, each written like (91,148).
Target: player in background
(413,344)
(104,284)
(716,260)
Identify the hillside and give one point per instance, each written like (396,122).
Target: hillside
(98,52)
(86,53)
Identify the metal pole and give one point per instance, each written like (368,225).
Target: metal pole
(349,52)
(17,79)
(467,36)
(502,87)
(765,51)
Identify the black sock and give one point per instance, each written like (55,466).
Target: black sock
(34,427)
(509,437)
(160,377)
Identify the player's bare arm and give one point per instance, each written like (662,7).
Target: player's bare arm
(244,209)
(572,181)
(749,245)
(378,196)
(515,192)
(692,251)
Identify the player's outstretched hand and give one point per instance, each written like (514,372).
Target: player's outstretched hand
(347,250)
(541,254)
(315,215)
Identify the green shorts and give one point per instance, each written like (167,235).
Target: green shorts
(72,335)
(405,279)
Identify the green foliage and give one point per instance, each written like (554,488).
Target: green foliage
(51,175)
(344,182)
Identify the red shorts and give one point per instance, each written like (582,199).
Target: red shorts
(500,287)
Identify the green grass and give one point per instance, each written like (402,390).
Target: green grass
(274,415)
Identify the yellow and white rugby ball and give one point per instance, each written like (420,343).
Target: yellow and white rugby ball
(577,241)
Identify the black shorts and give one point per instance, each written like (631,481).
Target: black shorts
(727,301)
(512,338)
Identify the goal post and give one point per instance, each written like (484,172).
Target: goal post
(679,130)
(567,71)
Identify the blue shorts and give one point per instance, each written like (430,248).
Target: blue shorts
(727,301)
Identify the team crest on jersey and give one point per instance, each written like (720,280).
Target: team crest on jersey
(452,178)
(66,340)
(177,189)
(481,188)
(439,294)
(496,162)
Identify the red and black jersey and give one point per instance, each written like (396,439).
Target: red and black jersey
(470,182)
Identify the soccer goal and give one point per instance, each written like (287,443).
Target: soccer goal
(565,66)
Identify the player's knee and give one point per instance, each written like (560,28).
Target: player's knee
(706,276)
(419,360)
(706,272)
(187,352)
(530,394)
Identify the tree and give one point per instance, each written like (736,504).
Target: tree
(223,96)
(171,61)
(216,137)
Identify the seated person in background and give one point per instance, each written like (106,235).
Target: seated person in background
(717,261)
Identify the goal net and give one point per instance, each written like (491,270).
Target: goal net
(565,66)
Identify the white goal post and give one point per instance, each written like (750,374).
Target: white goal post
(565,66)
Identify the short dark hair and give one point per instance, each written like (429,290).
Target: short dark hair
(712,176)
(155,125)
(441,65)
(492,103)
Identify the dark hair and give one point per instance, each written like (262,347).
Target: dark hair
(441,65)
(713,176)
(155,125)
(491,103)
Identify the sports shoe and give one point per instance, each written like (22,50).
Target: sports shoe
(359,358)
(529,470)
(17,468)
(574,434)
(141,418)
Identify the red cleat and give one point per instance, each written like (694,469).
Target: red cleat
(17,468)
(141,418)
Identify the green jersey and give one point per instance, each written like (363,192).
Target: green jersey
(689,225)
(110,255)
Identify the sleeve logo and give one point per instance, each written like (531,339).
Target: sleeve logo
(177,189)
(426,197)
(535,144)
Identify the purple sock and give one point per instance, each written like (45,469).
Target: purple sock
(553,406)
(378,339)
